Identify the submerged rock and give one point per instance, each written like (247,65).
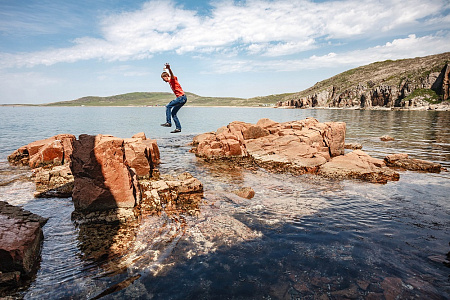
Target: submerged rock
(20,243)
(171,194)
(404,162)
(245,192)
(353,146)
(387,138)
(53,182)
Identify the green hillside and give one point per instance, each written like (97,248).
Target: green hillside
(161,99)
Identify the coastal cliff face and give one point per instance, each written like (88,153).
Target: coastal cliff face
(408,83)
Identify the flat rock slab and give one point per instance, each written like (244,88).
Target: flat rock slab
(358,165)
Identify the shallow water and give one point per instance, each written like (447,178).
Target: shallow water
(308,237)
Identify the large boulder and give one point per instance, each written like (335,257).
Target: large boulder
(305,146)
(103,178)
(55,150)
(358,165)
(20,243)
(298,146)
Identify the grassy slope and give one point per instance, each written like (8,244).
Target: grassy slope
(161,99)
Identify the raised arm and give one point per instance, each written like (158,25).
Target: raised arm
(167,65)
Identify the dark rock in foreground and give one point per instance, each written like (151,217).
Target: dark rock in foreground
(20,244)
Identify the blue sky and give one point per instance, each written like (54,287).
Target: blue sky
(63,50)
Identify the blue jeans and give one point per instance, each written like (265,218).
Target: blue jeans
(172,108)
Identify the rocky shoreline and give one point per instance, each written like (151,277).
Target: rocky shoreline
(115,182)
(422,83)
(444,106)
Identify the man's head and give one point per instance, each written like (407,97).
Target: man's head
(165,76)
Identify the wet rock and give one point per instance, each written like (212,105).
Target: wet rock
(9,279)
(393,288)
(362,284)
(245,192)
(55,150)
(358,165)
(215,231)
(111,216)
(403,161)
(353,146)
(170,194)
(348,293)
(20,243)
(386,138)
(53,182)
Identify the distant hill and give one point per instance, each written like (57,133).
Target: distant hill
(402,83)
(161,99)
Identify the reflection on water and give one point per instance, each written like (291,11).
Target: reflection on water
(300,237)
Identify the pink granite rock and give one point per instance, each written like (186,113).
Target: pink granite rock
(103,179)
(55,150)
(297,146)
(358,165)
(245,192)
(142,155)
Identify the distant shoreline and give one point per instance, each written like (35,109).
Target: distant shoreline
(431,107)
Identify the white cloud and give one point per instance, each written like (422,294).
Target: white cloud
(409,47)
(254,27)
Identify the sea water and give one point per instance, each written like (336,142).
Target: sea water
(316,237)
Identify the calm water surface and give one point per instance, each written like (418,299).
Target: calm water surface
(316,238)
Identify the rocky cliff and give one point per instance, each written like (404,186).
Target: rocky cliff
(406,83)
